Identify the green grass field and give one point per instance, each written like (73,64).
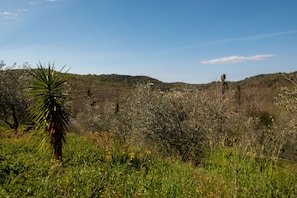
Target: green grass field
(95,165)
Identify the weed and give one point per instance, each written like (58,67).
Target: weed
(130,172)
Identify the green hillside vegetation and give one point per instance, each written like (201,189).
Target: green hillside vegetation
(96,166)
(135,136)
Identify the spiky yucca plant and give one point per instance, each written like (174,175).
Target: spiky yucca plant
(49,106)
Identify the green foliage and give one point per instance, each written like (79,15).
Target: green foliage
(97,165)
(180,123)
(49,107)
(249,175)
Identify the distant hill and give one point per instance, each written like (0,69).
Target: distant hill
(260,91)
(257,91)
(108,87)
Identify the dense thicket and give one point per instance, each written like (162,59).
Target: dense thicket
(187,122)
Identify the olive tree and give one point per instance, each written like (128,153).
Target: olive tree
(287,123)
(13,95)
(182,122)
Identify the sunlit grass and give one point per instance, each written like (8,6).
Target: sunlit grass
(97,165)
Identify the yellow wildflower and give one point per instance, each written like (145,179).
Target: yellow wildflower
(131,155)
(147,152)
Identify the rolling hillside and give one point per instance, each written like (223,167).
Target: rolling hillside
(257,91)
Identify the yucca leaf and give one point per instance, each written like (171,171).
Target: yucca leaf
(50,104)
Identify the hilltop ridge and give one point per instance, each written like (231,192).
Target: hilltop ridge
(258,90)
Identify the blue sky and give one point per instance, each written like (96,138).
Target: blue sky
(193,41)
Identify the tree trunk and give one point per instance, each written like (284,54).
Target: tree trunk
(15,119)
(15,124)
(56,141)
(58,151)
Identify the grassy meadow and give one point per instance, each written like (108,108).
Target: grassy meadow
(97,165)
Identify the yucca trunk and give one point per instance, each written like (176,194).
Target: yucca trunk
(56,140)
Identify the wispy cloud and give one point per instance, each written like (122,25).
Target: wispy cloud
(254,37)
(37,2)
(9,15)
(33,3)
(23,10)
(237,59)
(13,14)
(228,40)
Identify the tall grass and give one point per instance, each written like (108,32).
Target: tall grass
(97,165)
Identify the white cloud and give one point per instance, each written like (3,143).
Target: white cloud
(23,10)
(13,15)
(9,15)
(33,3)
(236,59)
(38,2)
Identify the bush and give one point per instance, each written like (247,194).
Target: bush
(182,123)
(186,123)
